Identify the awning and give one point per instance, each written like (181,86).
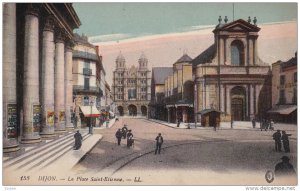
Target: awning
(205,111)
(283,109)
(184,103)
(90,111)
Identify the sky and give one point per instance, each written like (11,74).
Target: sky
(104,22)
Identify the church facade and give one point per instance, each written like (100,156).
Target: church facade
(229,76)
(131,87)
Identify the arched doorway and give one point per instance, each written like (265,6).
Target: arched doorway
(238,103)
(120,110)
(144,110)
(132,110)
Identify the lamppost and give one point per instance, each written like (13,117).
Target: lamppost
(91,126)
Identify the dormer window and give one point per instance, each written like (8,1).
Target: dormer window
(237,53)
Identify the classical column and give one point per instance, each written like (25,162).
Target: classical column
(31,103)
(255,51)
(222,99)
(252,114)
(221,50)
(9,122)
(251,55)
(68,85)
(258,88)
(228,100)
(47,97)
(59,85)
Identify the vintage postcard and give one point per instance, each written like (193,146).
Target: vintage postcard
(154,94)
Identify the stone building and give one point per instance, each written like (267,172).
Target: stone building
(284,91)
(87,93)
(229,76)
(179,91)
(131,87)
(37,71)
(157,108)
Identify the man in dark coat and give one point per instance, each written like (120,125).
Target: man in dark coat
(129,139)
(253,122)
(277,138)
(284,168)
(159,141)
(78,140)
(119,135)
(285,141)
(124,131)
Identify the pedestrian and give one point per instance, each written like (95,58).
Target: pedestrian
(271,124)
(130,140)
(178,122)
(231,122)
(253,122)
(78,140)
(119,135)
(266,124)
(277,138)
(284,168)
(285,141)
(159,141)
(124,131)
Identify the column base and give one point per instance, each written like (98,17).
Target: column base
(10,145)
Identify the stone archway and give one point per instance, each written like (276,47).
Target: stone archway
(144,110)
(132,110)
(120,110)
(238,103)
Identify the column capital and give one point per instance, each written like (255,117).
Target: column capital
(60,35)
(69,45)
(33,9)
(48,23)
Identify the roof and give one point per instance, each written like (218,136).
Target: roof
(283,109)
(184,59)
(160,73)
(205,111)
(290,62)
(239,24)
(206,56)
(82,40)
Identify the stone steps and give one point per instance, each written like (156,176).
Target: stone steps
(40,157)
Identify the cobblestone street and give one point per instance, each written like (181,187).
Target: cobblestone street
(228,156)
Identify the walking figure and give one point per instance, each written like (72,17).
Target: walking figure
(78,140)
(124,131)
(178,122)
(284,168)
(130,140)
(277,138)
(271,124)
(159,141)
(253,122)
(119,135)
(231,123)
(285,141)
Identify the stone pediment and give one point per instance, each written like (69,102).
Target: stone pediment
(238,26)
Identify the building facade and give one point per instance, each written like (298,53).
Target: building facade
(87,92)
(131,87)
(230,77)
(284,91)
(179,92)
(37,71)
(157,108)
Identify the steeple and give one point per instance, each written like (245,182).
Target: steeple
(143,61)
(120,61)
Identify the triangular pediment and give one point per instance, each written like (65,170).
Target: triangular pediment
(238,26)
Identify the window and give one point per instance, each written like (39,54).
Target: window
(87,64)
(132,94)
(237,53)
(120,96)
(120,90)
(86,100)
(282,80)
(143,89)
(86,83)
(143,97)
(120,82)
